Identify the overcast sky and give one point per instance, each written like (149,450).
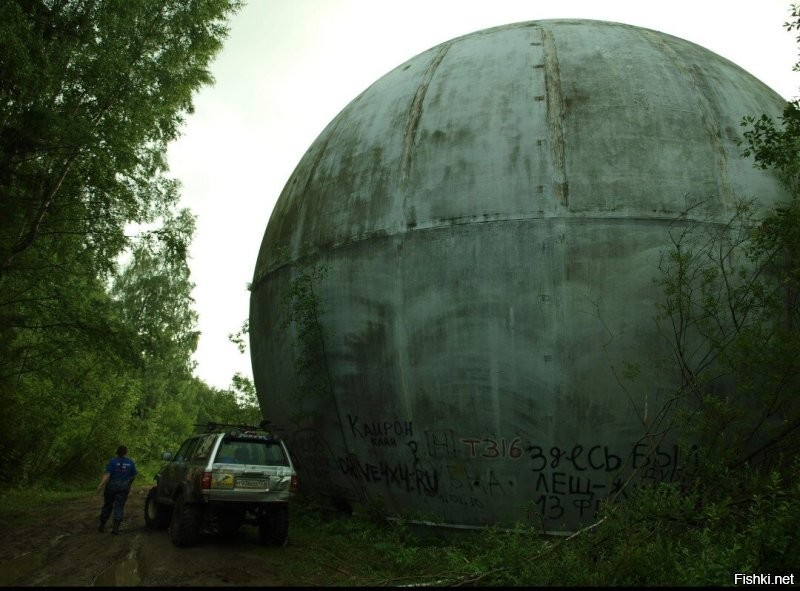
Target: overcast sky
(289,66)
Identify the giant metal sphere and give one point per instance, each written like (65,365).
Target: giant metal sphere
(491,215)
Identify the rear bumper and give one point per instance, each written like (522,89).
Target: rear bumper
(246,496)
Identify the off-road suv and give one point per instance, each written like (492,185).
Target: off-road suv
(221,478)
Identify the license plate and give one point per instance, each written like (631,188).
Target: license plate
(252,482)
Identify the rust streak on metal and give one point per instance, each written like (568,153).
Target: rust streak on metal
(555,116)
(415,114)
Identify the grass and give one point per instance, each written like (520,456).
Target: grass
(358,551)
(35,497)
(40,495)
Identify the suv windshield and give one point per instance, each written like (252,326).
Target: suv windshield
(248,451)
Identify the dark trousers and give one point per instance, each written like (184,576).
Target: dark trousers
(113,500)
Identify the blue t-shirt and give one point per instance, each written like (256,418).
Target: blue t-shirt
(121,471)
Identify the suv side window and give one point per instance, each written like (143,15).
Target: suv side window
(186,450)
(204,447)
(227,452)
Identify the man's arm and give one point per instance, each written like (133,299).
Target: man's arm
(103,481)
(134,474)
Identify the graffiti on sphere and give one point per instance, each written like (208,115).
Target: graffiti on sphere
(404,477)
(473,472)
(379,433)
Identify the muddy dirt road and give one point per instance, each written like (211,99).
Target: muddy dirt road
(61,546)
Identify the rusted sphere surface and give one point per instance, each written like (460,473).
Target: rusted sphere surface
(491,214)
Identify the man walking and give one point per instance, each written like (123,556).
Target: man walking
(117,479)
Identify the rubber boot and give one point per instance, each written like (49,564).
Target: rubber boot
(115,529)
(102,527)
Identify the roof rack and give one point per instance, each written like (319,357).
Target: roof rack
(213,426)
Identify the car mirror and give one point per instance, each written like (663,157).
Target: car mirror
(166,456)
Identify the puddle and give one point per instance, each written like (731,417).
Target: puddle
(123,574)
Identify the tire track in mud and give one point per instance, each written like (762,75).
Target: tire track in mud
(124,573)
(59,545)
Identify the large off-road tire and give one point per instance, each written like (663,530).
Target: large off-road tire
(273,525)
(156,515)
(184,528)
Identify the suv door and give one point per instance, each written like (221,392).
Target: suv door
(173,473)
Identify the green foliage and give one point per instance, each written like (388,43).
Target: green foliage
(732,302)
(359,551)
(154,293)
(237,404)
(658,537)
(775,145)
(14,501)
(303,309)
(237,338)
(731,309)
(92,92)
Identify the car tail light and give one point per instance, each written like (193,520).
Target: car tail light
(206,482)
(293,484)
